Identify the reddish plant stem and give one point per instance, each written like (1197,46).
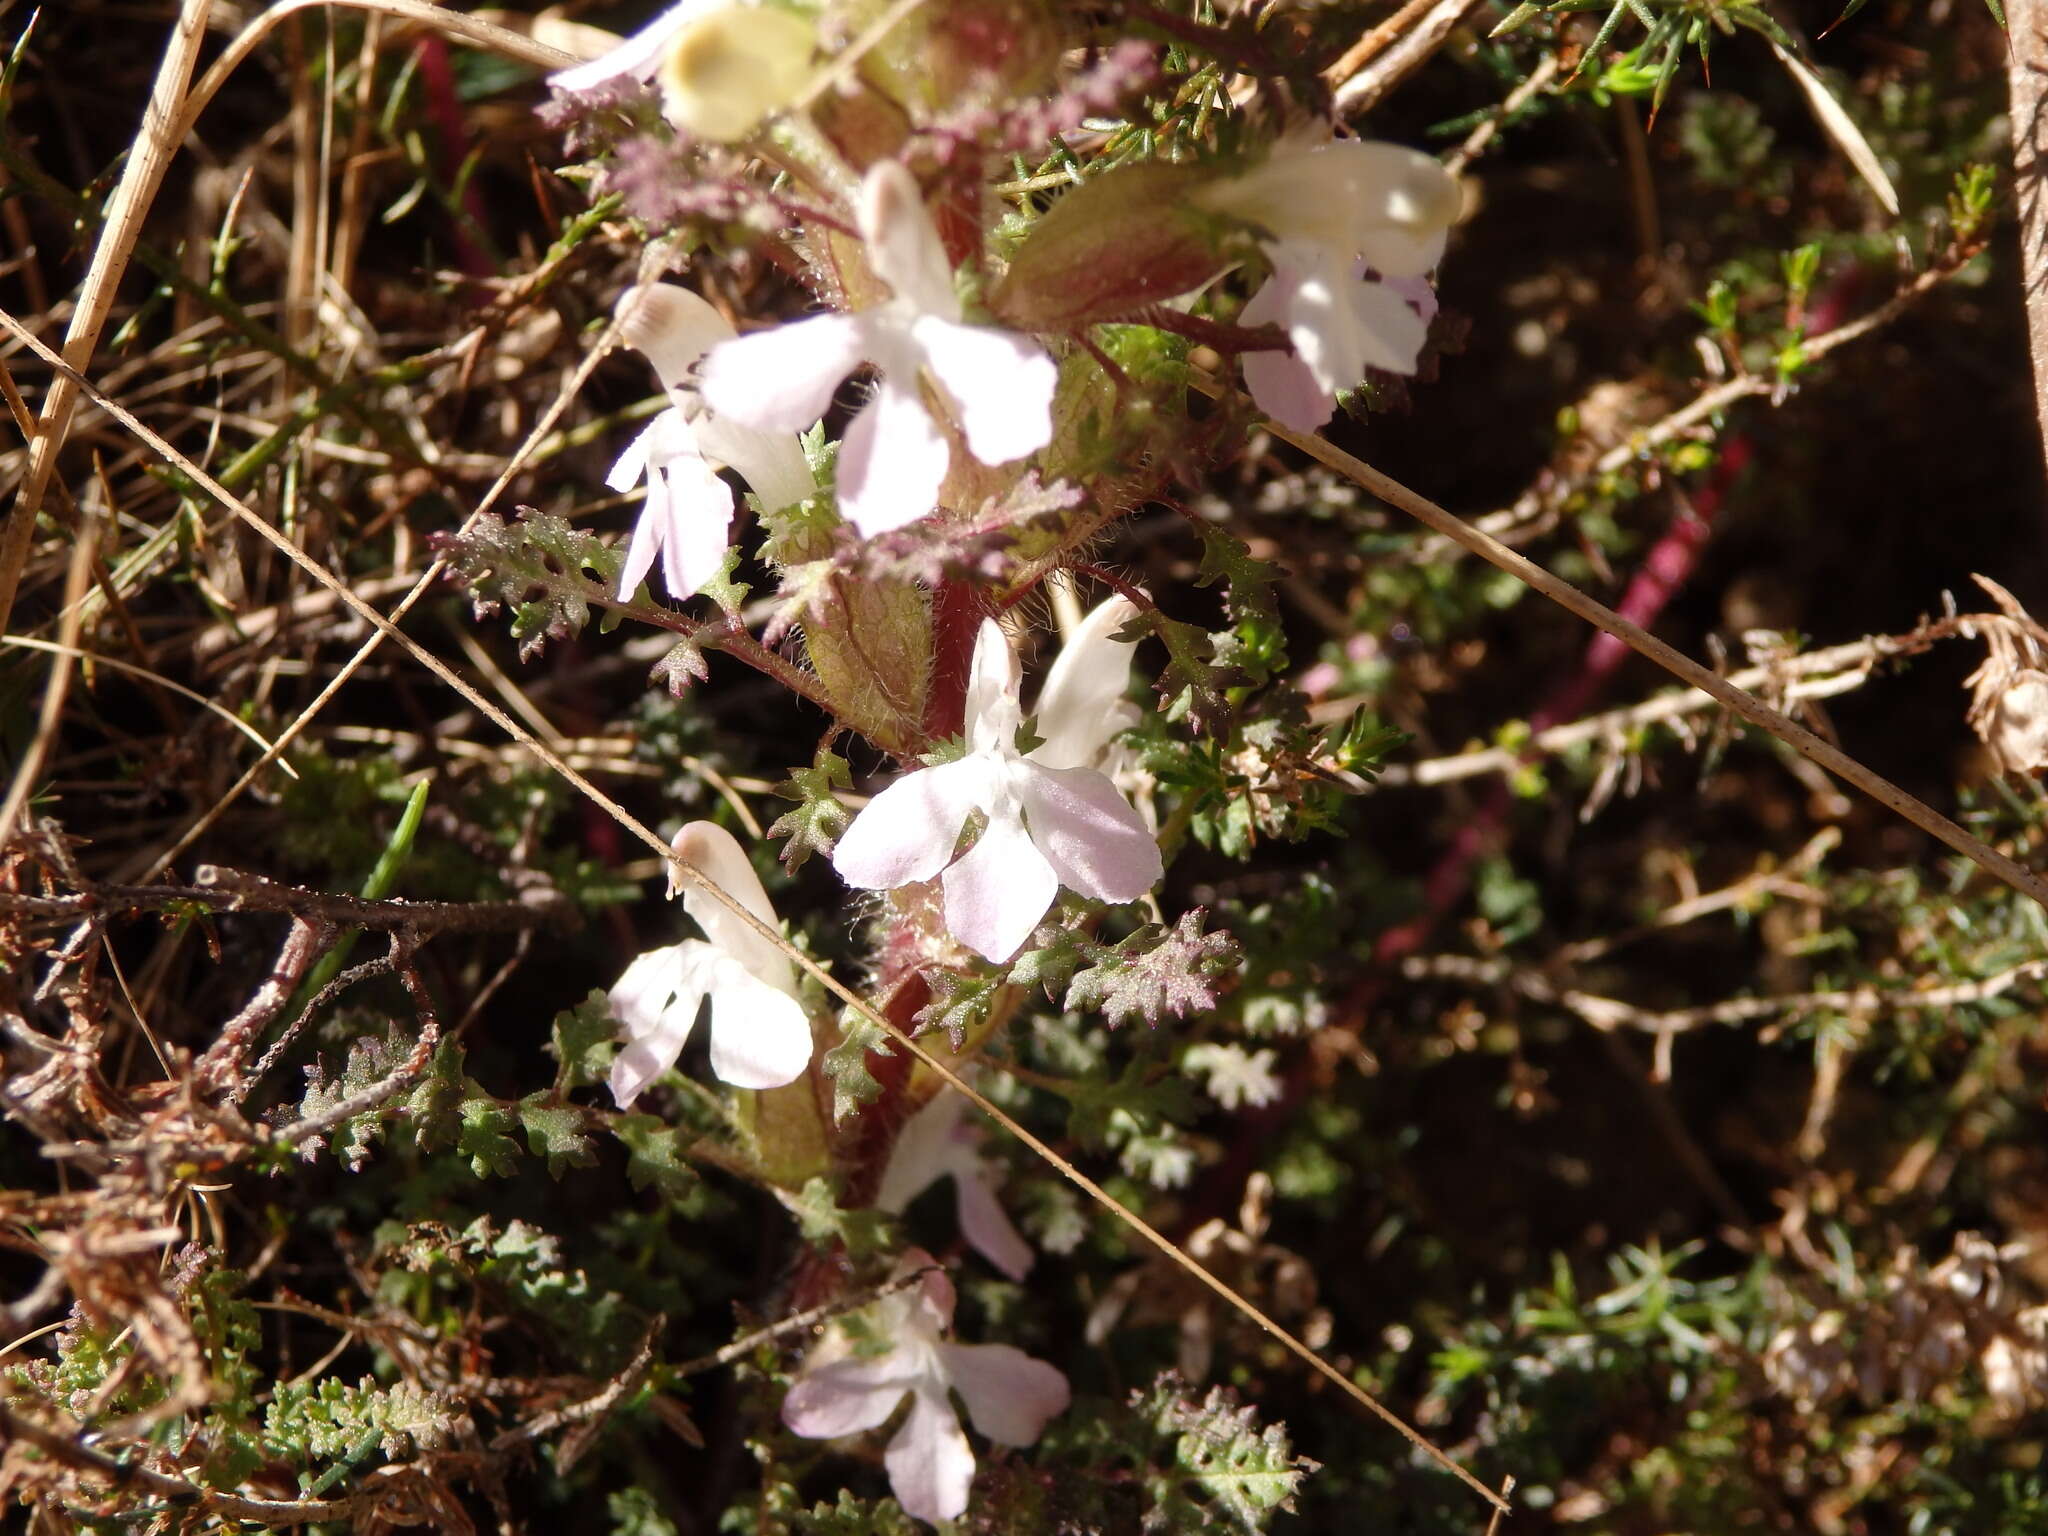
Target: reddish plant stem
(444,109)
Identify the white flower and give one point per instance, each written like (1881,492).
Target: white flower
(1324,212)
(1010,1397)
(894,457)
(1046,825)
(687,517)
(722,67)
(760,1035)
(934,1144)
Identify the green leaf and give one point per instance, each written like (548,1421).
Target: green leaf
(846,1064)
(485,1137)
(819,820)
(822,1220)
(1248,583)
(554,1130)
(1231,1466)
(1156,973)
(584,1038)
(654,1155)
(547,572)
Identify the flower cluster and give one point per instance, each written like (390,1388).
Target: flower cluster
(985,387)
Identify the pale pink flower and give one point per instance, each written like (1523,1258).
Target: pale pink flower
(936,1143)
(1010,1396)
(687,516)
(760,1035)
(999,384)
(1045,826)
(1325,212)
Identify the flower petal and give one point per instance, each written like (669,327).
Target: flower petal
(671,327)
(931,1466)
(649,528)
(782,380)
(992,711)
(848,1395)
(717,855)
(696,510)
(1010,1396)
(657,1001)
(1282,386)
(1000,383)
(892,461)
(1088,832)
(772,463)
(926,1151)
(760,1035)
(1390,334)
(1000,889)
(1082,704)
(988,1228)
(638,56)
(903,244)
(908,831)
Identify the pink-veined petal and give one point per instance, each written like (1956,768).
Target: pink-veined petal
(999,890)
(671,327)
(760,1035)
(903,244)
(1088,832)
(715,852)
(697,514)
(931,1466)
(988,1229)
(1010,1396)
(657,1001)
(992,711)
(848,1395)
(1082,703)
(637,56)
(892,460)
(908,831)
(1000,383)
(782,380)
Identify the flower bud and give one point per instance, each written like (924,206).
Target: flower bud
(728,69)
(1131,237)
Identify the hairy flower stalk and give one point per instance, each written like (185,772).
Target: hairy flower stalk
(687,516)
(760,1034)
(1010,1396)
(1046,824)
(893,459)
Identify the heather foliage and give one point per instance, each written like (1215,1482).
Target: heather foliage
(1200,997)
